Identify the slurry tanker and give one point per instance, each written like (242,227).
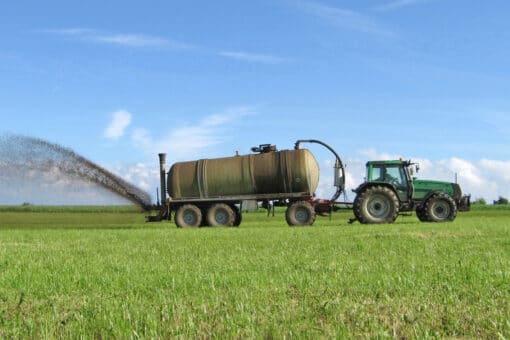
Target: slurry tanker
(212,192)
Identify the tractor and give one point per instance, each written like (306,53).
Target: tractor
(390,189)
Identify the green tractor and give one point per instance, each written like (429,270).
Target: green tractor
(390,188)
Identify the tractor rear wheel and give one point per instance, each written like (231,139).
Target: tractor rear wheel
(300,213)
(376,204)
(188,215)
(440,208)
(220,214)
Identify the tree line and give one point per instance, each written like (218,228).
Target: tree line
(500,201)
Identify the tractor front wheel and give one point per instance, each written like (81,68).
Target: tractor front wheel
(376,204)
(440,208)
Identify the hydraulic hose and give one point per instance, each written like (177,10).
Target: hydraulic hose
(339,181)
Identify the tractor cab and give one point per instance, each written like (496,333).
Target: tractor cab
(398,173)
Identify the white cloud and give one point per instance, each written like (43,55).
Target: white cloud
(136,40)
(496,169)
(344,18)
(141,137)
(144,176)
(184,142)
(397,4)
(252,57)
(69,31)
(120,121)
(120,39)
(190,138)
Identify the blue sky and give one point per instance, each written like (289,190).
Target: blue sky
(119,81)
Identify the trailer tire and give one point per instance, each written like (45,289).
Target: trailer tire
(220,214)
(376,204)
(300,213)
(440,207)
(188,216)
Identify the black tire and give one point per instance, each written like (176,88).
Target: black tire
(376,204)
(188,216)
(440,207)
(420,213)
(220,214)
(300,213)
(239,216)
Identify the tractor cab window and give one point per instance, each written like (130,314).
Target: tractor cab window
(389,174)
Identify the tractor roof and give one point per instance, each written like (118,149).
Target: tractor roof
(389,162)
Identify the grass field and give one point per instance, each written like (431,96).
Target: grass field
(103,272)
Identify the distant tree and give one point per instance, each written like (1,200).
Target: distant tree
(501,200)
(480,201)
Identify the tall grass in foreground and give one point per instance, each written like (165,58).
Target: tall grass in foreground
(112,275)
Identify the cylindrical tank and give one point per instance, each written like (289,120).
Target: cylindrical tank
(288,171)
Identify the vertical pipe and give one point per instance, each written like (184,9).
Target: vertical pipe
(162,173)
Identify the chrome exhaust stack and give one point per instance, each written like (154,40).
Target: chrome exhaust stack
(163,207)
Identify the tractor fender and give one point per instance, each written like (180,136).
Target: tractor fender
(434,192)
(362,187)
(421,204)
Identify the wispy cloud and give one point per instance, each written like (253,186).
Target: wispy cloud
(393,5)
(120,121)
(252,57)
(132,40)
(344,18)
(69,31)
(137,40)
(191,138)
(118,39)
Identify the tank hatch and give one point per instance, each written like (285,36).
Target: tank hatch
(264,148)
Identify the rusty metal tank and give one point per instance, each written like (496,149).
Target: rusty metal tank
(278,172)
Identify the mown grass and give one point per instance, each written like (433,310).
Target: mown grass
(70,209)
(108,274)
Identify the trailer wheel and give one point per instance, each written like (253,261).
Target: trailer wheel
(188,215)
(377,204)
(220,214)
(440,208)
(300,213)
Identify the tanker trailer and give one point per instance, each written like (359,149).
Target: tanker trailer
(210,192)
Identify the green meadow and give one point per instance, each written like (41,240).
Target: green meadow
(102,272)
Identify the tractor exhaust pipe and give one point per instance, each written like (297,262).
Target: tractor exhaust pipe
(162,173)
